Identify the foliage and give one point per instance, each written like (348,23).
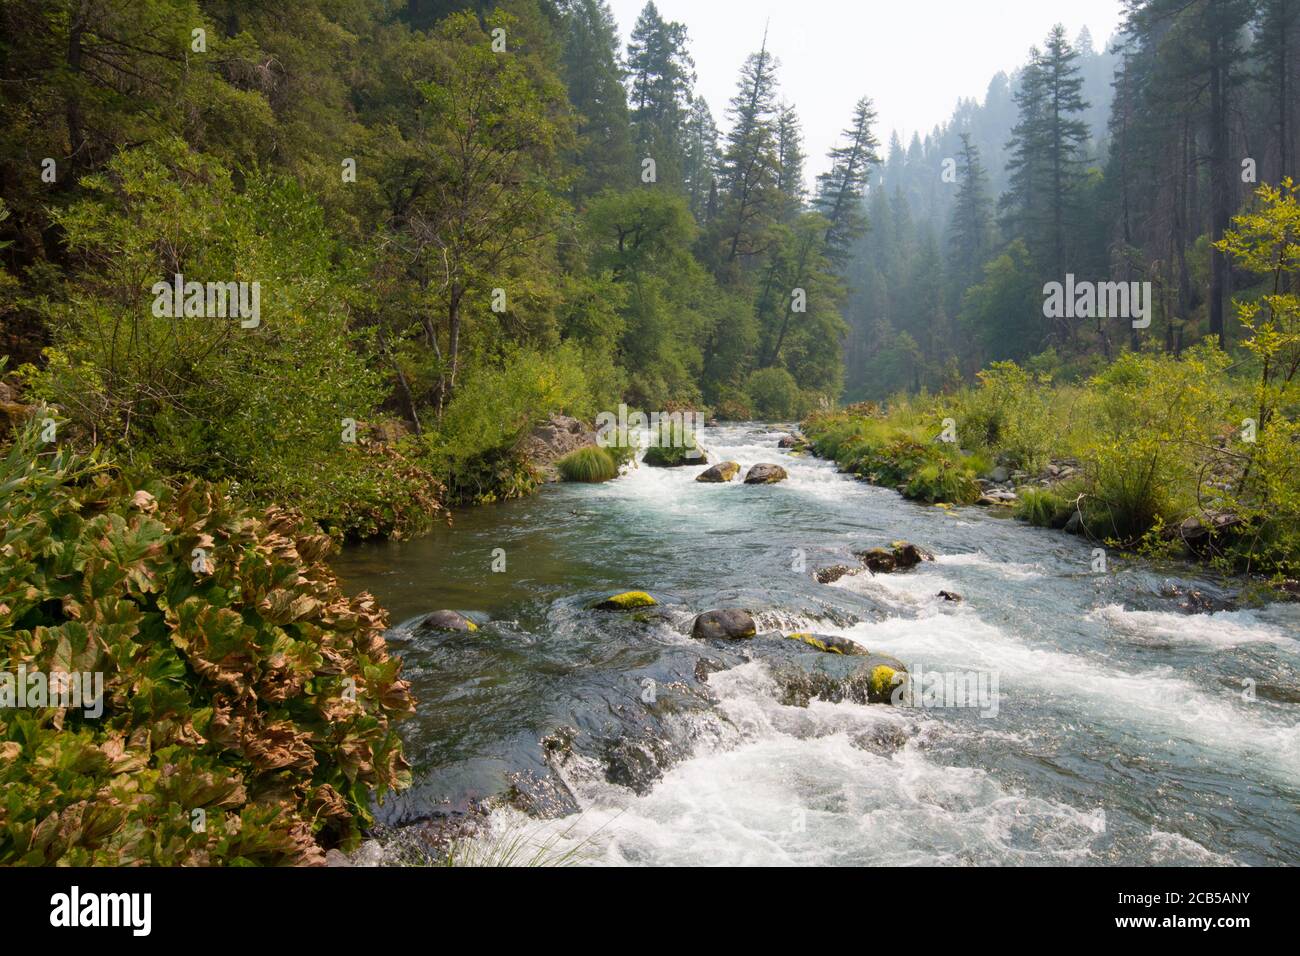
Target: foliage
(587,464)
(251,689)
(774,394)
(1043,507)
(473,452)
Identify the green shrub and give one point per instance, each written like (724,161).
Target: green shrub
(734,407)
(238,679)
(474,449)
(944,481)
(672,456)
(773,394)
(1009,415)
(587,464)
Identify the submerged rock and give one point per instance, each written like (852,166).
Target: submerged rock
(625,601)
(730,624)
(722,471)
(877,560)
(444,621)
(830,643)
(834,573)
(765,474)
(949,596)
(804,672)
(908,555)
(900,556)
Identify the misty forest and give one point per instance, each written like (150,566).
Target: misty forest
(308,316)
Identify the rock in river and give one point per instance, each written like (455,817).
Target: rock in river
(830,643)
(803,672)
(900,556)
(729,624)
(834,573)
(444,621)
(625,601)
(765,474)
(722,471)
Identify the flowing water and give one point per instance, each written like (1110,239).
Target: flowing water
(1124,730)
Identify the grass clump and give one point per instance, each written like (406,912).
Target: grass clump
(1043,507)
(589,464)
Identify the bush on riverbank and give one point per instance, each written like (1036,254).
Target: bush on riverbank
(1158,439)
(900,452)
(247,702)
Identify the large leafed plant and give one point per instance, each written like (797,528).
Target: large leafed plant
(248,702)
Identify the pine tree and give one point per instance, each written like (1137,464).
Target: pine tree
(750,164)
(789,161)
(972,214)
(700,158)
(1047,156)
(594,76)
(840,190)
(661,75)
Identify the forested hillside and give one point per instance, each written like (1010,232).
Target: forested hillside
(460,220)
(464,217)
(1123,164)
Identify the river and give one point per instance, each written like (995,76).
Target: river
(1125,730)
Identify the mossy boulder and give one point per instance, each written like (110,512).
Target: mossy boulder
(626,601)
(830,643)
(722,471)
(445,621)
(674,456)
(765,474)
(882,678)
(730,624)
(803,672)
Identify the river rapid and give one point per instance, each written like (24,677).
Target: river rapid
(1124,730)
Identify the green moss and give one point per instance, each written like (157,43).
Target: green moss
(588,464)
(814,641)
(625,601)
(881,685)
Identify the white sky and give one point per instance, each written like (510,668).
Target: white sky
(914,59)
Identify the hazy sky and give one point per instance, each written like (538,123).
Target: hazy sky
(914,59)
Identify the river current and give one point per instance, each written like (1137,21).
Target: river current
(1124,730)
